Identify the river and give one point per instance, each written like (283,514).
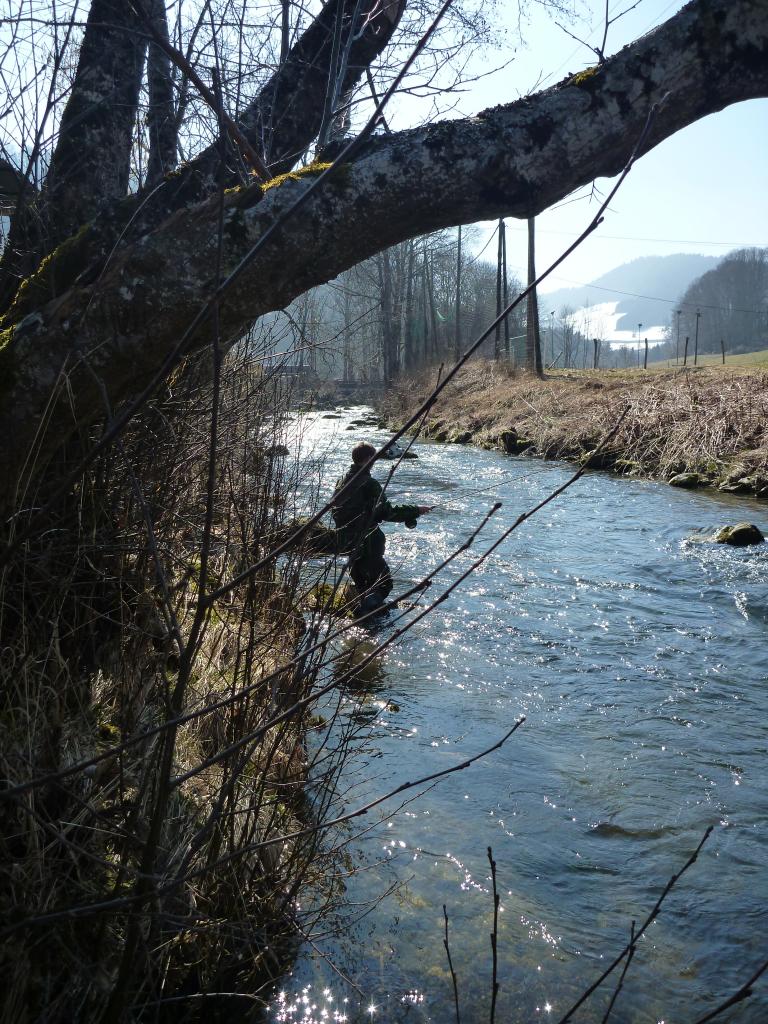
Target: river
(640,662)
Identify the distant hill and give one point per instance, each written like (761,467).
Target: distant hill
(638,290)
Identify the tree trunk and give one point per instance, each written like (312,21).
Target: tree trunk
(58,363)
(409,356)
(387,334)
(162,125)
(429,271)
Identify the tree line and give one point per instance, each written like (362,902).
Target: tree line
(724,310)
(419,304)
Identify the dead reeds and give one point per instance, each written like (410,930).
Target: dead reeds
(712,422)
(144,853)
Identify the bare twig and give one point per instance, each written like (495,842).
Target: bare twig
(742,993)
(622,976)
(641,931)
(451,968)
(494,938)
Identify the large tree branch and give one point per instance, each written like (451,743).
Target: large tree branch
(513,160)
(281,121)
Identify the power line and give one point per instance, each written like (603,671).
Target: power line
(639,238)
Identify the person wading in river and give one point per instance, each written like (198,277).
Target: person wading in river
(358,506)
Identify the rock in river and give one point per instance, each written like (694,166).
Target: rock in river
(685,480)
(739,535)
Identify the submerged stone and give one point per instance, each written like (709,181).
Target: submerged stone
(332,600)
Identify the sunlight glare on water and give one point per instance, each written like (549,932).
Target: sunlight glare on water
(641,663)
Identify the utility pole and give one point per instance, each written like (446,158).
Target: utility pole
(532,341)
(696,340)
(677,342)
(497,332)
(505,288)
(552,336)
(457,334)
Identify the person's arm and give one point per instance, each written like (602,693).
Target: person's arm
(390,513)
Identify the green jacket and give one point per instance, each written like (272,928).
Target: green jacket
(361,506)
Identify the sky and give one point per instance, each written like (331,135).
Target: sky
(705,190)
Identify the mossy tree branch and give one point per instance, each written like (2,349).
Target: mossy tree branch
(512,160)
(92,156)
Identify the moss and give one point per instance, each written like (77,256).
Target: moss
(339,178)
(302,172)
(630,467)
(56,273)
(7,363)
(583,76)
(177,171)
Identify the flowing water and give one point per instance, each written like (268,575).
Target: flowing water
(640,662)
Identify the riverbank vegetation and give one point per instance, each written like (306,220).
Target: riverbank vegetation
(707,425)
(153,744)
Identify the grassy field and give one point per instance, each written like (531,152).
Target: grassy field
(757,359)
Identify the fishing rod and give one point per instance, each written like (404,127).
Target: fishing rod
(508,478)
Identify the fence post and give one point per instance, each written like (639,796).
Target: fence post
(685,351)
(594,359)
(645,357)
(722,347)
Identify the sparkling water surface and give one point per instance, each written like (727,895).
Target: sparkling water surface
(640,662)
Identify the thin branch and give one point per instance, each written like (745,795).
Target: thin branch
(646,924)
(494,938)
(743,993)
(450,966)
(106,906)
(622,976)
(208,95)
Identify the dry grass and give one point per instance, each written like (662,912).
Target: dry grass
(117,878)
(713,422)
(732,361)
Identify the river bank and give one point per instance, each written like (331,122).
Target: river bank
(154,725)
(693,427)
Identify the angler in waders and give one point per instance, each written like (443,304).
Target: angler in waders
(358,507)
